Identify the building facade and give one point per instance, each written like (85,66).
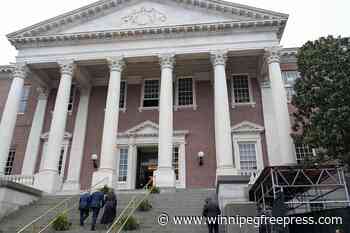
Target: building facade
(128,91)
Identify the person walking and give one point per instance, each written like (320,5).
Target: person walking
(110,210)
(97,202)
(211,211)
(84,207)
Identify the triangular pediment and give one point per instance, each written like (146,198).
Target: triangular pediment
(247,127)
(114,15)
(145,128)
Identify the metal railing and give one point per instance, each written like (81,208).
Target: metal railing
(129,210)
(61,205)
(21,179)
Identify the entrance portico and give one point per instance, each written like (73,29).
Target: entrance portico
(131,42)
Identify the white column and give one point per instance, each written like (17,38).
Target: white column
(280,103)
(72,184)
(273,148)
(223,138)
(108,156)
(33,144)
(165,175)
(48,179)
(9,115)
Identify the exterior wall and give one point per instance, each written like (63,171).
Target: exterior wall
(24,121)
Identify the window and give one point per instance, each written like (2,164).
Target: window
(240,88)
(247,155)
(289,77)
(24,99)
(122,100)
(302,151)
(184,91)
(71,98)
(290,92)
(61,162)
(123,165)
(151,93)
(9,162)
(176,161)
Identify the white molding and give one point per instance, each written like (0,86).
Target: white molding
(251,102)
(247,127)
(134,137)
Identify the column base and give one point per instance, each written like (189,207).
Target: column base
(165,178)
(103,177)
(48,181)
(225,171)
(71,187)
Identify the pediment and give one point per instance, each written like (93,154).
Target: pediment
(145,128)
(247,127)
(114,15)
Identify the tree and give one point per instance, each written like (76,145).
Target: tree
(322,98)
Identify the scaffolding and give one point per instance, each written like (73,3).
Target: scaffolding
(304,188)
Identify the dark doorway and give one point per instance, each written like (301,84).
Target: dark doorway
(147,162)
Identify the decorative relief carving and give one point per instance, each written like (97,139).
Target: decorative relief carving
(144,17)
(272,54)
(218,58)
(20,71)
(167,61)
(116,64)
(67,67)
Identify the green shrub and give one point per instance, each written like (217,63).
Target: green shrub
(131,224)
(155,190)
(105,189)
(61,223)
(145,206)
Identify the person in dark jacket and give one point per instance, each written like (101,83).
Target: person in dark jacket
(210,211)
(97,202)
(110,210)
(84,207)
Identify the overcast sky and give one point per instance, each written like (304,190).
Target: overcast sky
(309,19)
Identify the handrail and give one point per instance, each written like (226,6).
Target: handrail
(57,206)
(132,210)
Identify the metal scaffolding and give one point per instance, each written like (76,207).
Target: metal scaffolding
(304,189)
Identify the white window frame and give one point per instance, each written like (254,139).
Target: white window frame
(289,84)
(118,165)
(299,159)
(178,161)
(142,108)
(123,109)
(12,151)
(250,89)
(28,87)
(176,94)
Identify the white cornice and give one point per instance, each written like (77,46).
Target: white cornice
(6,69)
(36,34)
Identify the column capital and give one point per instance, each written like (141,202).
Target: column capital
(21,70)
(43,93)
(167,60)
(67,67)
(272,55)
(116,63)
(218,57)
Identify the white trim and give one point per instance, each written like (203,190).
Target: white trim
(251,102)
(142,108)
(176,94)
(134,138)
(247,132)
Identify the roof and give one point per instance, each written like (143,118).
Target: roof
(49,30)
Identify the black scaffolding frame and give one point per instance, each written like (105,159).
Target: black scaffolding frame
(304,188)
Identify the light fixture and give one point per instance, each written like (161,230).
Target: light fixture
(201,157)
(94,159)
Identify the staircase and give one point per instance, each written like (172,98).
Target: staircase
(179,203)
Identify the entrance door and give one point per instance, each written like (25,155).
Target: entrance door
(147,163)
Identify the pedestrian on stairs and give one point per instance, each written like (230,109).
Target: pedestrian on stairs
(97,202)
(84,207)
(211,211)
(110,210)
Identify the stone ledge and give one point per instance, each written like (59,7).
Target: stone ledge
(231,180)
(20,188)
